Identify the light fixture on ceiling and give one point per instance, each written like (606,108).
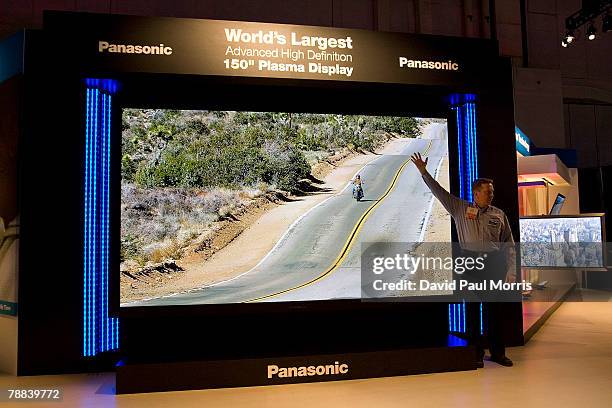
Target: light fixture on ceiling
(591,32)
(587,16)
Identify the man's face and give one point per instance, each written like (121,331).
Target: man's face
(483,195)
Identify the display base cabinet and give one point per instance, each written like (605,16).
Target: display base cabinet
(140,377)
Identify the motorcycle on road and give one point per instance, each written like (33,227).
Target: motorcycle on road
(357,193)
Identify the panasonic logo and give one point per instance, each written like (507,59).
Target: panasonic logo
(309,371)
(106,47)
(424,64)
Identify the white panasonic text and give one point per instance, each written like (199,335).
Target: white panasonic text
(158,49)
(307,371)
(425,64)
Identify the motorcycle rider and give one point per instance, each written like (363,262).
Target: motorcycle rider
(357,185)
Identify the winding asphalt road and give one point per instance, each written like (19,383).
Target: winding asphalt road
(319,256)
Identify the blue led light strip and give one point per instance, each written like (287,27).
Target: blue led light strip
(86,296)
(100,333)
(471,106)
(460,146)
(112,339)
(96,223)
(451,316)
(481,320)
(105,252)
(115,321)
(104,229)
(465,114)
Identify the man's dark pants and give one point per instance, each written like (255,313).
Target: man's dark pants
(492,311)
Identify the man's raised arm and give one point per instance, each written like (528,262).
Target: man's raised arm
(453,205)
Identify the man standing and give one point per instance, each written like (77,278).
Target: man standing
(482,229)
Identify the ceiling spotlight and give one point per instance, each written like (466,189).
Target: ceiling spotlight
(606,24)
(563,43)
(569,37)
(591,32)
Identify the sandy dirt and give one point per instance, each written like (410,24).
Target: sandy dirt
(240,246)
(438,226)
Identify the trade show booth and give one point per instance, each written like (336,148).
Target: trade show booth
(81,76)
(560,245)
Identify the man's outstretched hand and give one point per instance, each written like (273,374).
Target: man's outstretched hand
(419,162)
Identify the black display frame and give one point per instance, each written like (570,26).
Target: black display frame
(53,140)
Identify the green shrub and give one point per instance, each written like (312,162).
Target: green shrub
(199,149)
(130,247)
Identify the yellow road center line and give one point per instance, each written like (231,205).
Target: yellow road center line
(349,243)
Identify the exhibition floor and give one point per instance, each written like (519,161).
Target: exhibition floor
(567,363)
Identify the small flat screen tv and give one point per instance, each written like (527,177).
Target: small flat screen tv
(224,207)
(568,241)
(557,205)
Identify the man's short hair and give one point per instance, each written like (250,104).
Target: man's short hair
(479,182)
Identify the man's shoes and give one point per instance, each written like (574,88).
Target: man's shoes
(502,360)
(480,358)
